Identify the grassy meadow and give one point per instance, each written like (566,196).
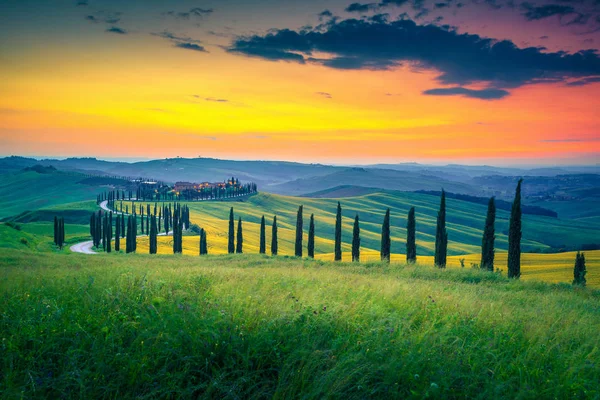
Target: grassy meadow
(250,326)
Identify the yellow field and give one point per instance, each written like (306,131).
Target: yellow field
(557,267)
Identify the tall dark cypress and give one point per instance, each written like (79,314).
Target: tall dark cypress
(487,242)
(338,234)
(386,242)
(514,236)
(263,238)
(299,231)
(153,235)
(62,232)
(98,229)
(579,270)
(411,242)
(204,246)
(104,231)
(240,237)
(128,247)
(175,231)
(356,240)
(109,233)
(311,237)
(122,226)
(56,229)
(231,237)
(274,242)
(441,235)
(118,233)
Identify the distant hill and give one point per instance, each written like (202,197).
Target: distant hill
(370,178)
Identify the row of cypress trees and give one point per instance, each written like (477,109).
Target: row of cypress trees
(59,232)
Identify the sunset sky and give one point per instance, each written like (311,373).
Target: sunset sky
(476,82)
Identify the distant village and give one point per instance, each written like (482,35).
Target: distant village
(190,191)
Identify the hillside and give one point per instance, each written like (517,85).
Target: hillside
(261,327)
(30,191)
(370,178)
(465,223)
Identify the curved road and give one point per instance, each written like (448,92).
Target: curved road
(86,247)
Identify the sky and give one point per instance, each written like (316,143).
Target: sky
(499,82)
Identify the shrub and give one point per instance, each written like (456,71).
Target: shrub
(24,241)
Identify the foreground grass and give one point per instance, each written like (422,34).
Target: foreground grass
(259,327)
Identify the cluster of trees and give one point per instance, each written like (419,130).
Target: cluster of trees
(176,217)
(59,232)
(441,237)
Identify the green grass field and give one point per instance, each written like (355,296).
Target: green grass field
(31,191)
(248,326)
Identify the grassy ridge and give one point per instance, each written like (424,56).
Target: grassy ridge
(261,327)
(465,222)
(23,191)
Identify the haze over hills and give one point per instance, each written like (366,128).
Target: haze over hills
(560,189)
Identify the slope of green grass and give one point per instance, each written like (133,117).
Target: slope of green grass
(30,191)
(259,327)
(465,223)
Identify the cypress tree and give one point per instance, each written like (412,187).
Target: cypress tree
(109,233)
(62,232)
(153,235)
(514,236)
(203,241)
(338,234)
(386,243)
(118,233)
(230,243)
(263,238)
(487,242)
(299,229)
(98,229)
(142,219)
(56,230)
(579,270)
(175,231)
(274,237)
(356,240)
(240,237)
(200,252)
(411,242)
(311,237)
(104,231)
(128,248)
(441,235)
(134,234)
(123,226)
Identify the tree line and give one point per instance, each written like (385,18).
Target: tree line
(177,219)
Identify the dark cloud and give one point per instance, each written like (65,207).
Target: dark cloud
(117,30)
(216,100)
(585,81)
(324,94)
(482,94)
(398,3)
(534,13)
(325,15)
(441,5)
(171,36)
(361,8)
(190,46)
(544,37)
(194,12)
(108,17)
(82,3)
(461,59)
